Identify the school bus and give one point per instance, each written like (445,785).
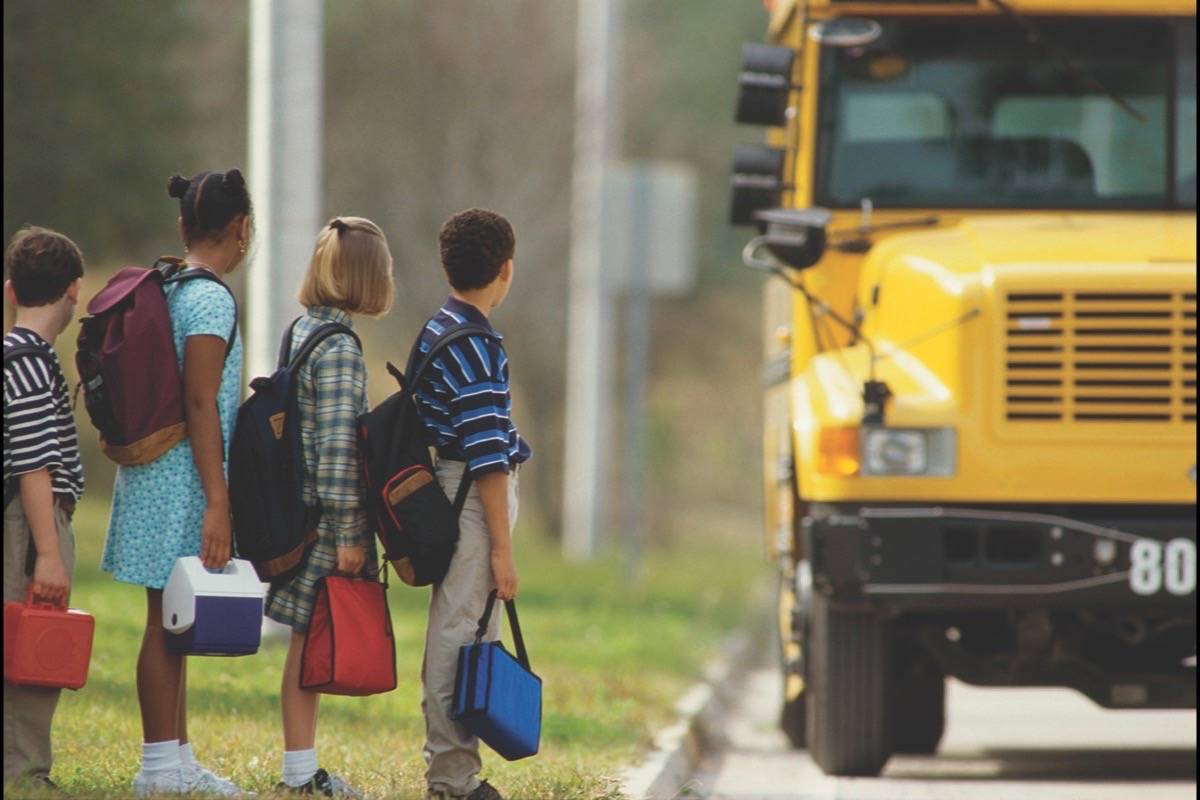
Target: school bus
(978,223)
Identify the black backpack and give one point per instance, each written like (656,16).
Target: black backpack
(415,521)
(271,526)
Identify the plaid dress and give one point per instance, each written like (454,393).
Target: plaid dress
(331,394)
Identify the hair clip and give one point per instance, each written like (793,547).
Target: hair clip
(339,225)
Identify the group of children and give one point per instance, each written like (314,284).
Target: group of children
(178,504)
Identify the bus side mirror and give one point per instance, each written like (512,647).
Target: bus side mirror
(764,84)
(794,237)
(757,181)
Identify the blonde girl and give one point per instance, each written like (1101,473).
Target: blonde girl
(350,274)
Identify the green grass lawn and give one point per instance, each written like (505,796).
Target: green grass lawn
(613,655)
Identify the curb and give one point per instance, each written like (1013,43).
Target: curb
(677,749)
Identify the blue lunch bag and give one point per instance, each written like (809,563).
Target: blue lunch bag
(497,697)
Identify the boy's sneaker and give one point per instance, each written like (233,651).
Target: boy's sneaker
(322,783)
(166,781)
(484,791)
(198,780)
(37,785)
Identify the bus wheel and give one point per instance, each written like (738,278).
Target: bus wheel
(792,645)
(918,712)
(792,719)
(847,732)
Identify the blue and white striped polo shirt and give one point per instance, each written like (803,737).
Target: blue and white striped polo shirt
(464,396)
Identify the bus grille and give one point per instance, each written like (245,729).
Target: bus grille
(1094,356)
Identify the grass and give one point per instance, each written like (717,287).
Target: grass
(613,653)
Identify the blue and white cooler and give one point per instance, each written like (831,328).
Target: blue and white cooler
(213,613)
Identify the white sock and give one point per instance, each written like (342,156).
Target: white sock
(160,756)
(299,766)
(186,757)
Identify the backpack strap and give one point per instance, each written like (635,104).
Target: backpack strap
(315,338)
(416,370)
(417,365)
(12,486)
(285,345)
(18,350)
(174,272)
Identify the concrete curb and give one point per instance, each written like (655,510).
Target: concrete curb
(665,771)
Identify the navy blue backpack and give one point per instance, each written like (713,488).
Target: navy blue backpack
(271,527)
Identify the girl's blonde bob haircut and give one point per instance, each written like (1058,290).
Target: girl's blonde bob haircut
(351,268)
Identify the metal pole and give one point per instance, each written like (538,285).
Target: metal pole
(637,357)
(286,63)
(588,305)
(284,173)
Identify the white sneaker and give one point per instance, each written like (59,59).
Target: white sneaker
(199,780)
(166,781)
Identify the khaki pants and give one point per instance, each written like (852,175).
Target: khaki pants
(28,710)
(451,753)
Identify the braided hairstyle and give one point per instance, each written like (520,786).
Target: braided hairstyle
(208,202)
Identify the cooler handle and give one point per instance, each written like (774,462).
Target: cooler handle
(29,601)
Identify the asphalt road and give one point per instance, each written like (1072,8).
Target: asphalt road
(1001,744)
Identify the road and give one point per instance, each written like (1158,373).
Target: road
(1000,744)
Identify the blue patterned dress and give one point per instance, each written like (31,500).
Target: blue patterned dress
(158,508)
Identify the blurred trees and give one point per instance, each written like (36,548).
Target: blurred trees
(430,107)
(96,116)
(463,104)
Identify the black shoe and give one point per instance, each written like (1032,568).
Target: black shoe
(38,785)
(324,784)
(485,791)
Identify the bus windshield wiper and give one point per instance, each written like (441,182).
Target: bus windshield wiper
(1064,60)
(856,239)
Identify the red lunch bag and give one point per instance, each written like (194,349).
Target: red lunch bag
(349,648)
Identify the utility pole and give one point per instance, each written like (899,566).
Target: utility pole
(284,173)
(637,361)
(286,64)
(589,307)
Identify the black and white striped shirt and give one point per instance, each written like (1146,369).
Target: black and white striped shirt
(39,428)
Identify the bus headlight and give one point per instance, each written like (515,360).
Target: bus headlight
(908,451)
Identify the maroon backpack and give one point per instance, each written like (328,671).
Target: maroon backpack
(128,369)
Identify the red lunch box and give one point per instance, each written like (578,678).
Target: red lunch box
(47,645)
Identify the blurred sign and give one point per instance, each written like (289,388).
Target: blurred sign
(649,227)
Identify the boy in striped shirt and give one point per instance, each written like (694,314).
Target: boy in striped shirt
(466,409)
(43,476)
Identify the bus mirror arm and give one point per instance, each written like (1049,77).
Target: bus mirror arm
(875,392)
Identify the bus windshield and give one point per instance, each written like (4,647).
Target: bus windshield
(972,114)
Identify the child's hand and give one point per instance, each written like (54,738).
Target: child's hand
(216,537)
(51,583)
(350,560)
(504,571)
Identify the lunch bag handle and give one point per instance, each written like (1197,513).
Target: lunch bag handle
(513,622)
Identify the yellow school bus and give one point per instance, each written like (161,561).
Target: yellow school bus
(978,223)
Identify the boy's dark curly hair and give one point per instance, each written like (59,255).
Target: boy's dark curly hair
(475,243)
(42,264)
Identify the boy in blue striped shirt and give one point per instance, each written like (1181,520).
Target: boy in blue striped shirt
(466,408)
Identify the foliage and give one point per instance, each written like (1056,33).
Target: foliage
(95,119)
(613,657)
(430,107)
